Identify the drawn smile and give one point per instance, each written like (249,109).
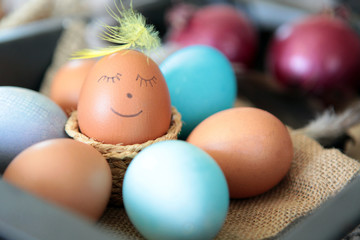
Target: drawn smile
(126,115)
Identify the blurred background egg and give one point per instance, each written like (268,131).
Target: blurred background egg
(174,190)
(26,117)
(252,147)
(220,25)
(201,82)
(66,84)
(69,173)
(124,99)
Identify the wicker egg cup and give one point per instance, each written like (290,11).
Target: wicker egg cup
(117,155)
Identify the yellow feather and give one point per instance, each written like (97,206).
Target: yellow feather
(131,33)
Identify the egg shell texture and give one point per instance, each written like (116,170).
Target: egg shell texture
(252,147)
(295,58)
(66,84)
(66,172)
(201,82)
(124,99)
(174,190)
(26,117)
(221,26)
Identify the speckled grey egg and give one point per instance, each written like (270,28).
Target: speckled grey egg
(26,117)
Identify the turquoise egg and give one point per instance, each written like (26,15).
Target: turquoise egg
(26,117)
(174,190)
(201,82)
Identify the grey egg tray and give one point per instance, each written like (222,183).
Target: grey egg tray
(26,52)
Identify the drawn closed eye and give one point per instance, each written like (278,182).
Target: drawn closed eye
(145,81)
(112,79)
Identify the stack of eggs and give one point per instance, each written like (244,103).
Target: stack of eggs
(236,152)
(174,189)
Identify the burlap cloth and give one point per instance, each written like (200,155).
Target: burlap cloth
(34,10)
(316,173)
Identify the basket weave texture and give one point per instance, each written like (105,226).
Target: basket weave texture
(119,156)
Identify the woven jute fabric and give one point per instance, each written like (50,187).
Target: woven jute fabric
(34,10)
(72,38)
(119,156)
(30,11)
(316,175)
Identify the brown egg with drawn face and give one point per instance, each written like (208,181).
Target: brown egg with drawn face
(124,99)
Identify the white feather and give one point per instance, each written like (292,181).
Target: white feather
(330,124)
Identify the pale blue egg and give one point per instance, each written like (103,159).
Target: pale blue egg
(174,190)
(26,117)
(201,82)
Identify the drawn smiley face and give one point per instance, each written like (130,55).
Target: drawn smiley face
(124,99)
(143,81)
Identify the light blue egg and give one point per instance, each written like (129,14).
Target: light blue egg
(174,190)
(201,82)
(26,117)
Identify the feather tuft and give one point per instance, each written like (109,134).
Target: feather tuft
(132,32)
(328,127)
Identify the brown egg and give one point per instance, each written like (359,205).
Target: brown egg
(252,147)
(66,172)
(124,99)
(66,84)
